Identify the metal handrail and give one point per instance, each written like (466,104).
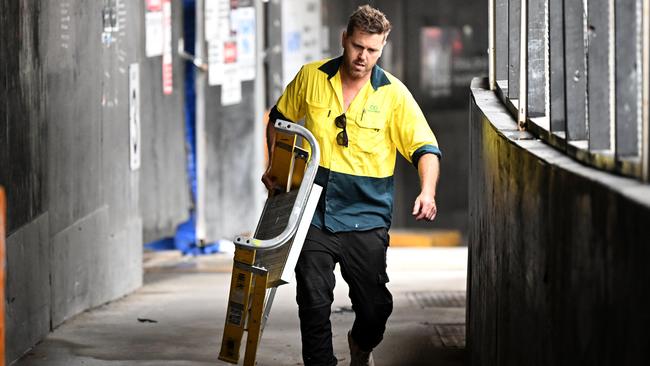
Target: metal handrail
(301,198)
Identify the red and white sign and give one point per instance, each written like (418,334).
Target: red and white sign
(230,52)
(154,5)
(167,73)
(231,83)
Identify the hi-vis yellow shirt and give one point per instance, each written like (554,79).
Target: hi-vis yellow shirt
(383,118)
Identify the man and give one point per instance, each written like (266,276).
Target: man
(360,115)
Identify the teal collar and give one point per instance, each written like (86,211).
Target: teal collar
(378,77)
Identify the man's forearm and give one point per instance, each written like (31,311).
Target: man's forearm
(270,136)
(429,171)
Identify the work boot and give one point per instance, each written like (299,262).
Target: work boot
(359,357)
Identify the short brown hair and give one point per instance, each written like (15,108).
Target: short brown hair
(369,20)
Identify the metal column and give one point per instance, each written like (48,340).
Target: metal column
(200,88)
(491,40)
(645,133)
(522,116)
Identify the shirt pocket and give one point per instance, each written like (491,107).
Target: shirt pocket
(369,133)
(317,113)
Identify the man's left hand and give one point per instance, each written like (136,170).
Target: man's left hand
(425,207)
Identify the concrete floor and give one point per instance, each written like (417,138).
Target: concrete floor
(177,317)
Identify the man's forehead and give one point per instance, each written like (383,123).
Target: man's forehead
(367,39)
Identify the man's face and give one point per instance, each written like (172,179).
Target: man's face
(361,51)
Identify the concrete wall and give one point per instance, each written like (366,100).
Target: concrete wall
(234,139)
(558,252)
(164,188)
(76,211)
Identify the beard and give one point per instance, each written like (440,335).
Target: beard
(357,69)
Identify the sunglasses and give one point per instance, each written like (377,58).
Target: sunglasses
(342,137)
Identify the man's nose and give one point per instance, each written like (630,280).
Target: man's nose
(363,54)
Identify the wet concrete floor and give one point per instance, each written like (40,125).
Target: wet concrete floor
(177,317)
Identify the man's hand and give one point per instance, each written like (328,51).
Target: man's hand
(267,180)
(425,204)
(270,181)
(425,207)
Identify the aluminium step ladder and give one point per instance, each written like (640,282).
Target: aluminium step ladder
(268,259)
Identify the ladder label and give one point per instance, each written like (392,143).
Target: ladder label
(235,312)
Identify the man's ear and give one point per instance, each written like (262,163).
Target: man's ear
(386,36)
(344,36)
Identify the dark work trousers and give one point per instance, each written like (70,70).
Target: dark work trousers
(362,257)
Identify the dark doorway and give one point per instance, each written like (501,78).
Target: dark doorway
(443,46)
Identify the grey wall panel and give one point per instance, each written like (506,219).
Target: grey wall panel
(231,177)
(90,265)
(23,129)
(164,189)
(74,58)
(77,270)
(119,269)
(119,184)
(94,193)
(28,287)
(557,253)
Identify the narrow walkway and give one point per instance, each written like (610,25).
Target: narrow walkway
(177,317)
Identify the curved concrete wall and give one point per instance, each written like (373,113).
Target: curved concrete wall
(558,252)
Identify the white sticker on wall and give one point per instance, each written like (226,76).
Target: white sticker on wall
(134,116)
(215,63)
(217,33)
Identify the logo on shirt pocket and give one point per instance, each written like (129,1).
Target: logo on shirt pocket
(373,108)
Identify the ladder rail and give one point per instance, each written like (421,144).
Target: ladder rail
(301,199)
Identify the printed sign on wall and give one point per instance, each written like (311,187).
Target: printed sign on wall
(153,20)
(231,86)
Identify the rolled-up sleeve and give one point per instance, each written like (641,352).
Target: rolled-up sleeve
(291,103)
(410,131)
